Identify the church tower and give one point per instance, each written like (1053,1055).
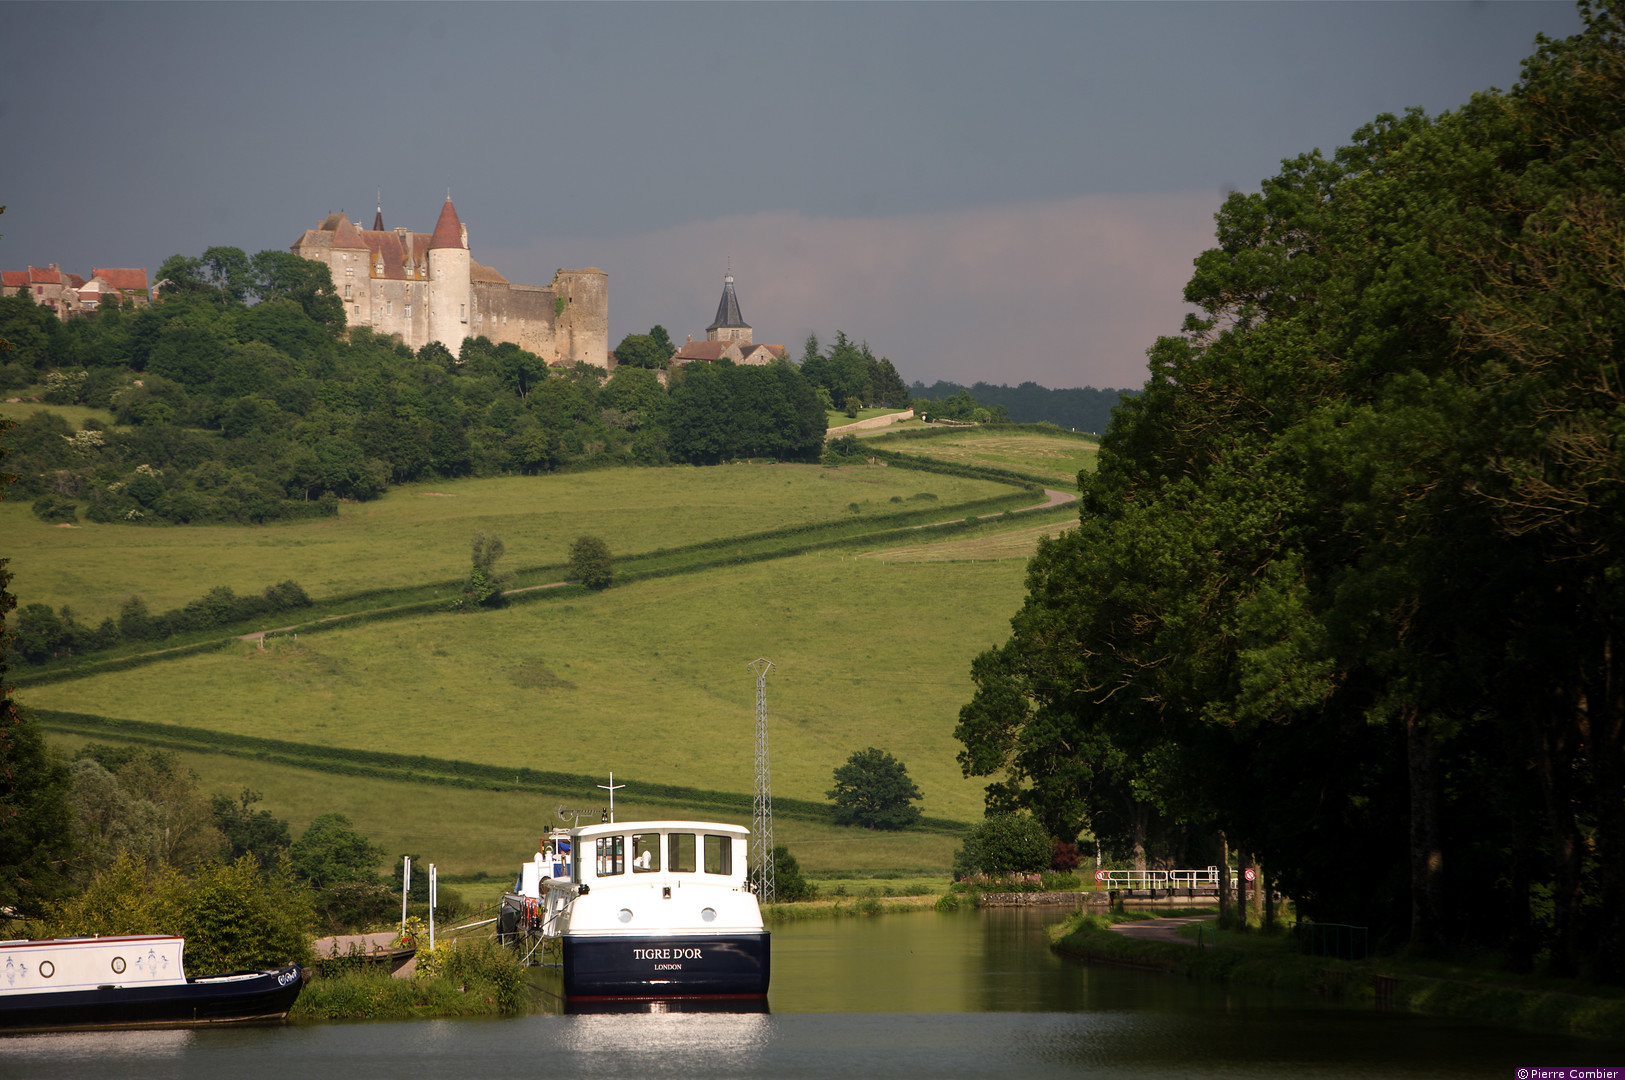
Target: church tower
(729,324)
(449,292)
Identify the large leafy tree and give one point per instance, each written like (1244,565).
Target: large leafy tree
(1343,588)
(873,789)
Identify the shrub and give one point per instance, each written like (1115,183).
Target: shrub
(480,967)
(590,562)
(1004,844)
(54,509)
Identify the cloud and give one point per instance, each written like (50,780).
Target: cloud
(1065,293)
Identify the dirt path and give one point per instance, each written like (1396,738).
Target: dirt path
(1162,930)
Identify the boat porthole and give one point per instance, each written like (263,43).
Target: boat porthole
(118,965)
(709,914)
(625,915)
(47,969)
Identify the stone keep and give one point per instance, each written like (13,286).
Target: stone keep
(423,287)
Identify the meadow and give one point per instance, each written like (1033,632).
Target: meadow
(419,533)
(1057,456)
(649,679)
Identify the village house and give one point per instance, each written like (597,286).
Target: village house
(70,295)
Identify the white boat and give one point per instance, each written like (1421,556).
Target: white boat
(644,909)
(130,982)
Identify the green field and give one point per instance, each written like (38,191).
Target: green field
(837,417)
(1058,456)
(648,679)
(419,533)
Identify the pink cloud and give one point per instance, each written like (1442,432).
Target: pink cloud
(1066,293)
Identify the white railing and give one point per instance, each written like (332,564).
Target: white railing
(1162,879)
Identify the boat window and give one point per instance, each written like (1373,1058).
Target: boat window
(611,855)
(719,854)
(645,853)
(680,852)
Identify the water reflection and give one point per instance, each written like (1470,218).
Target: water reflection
(970,995)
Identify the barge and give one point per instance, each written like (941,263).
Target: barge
(642,910)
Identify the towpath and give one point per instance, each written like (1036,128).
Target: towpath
(1163,930)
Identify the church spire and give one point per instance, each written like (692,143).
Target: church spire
(728,316)
(378,218)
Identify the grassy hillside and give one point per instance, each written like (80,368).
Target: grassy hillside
(649,681)
(1056,456)
(420,533)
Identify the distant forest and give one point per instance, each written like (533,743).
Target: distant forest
(1081,408)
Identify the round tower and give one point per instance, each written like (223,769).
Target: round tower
(450,296)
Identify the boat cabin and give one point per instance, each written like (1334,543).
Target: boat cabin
(664,853)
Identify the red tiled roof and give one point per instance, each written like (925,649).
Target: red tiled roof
(701,350)
(44,277)
(448,231)
(477,272)
(344,235)
(125,279)
(389,247)
(14,279)
(75,280)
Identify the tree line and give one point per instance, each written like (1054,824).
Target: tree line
(1079,408)
(1344,594)
(240,395)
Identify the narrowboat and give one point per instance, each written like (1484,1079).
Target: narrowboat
(69,984)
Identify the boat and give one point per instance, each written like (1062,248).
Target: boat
(69,984)
(642,910)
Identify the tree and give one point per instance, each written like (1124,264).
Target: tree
(250,832)
(641,351)
(873,790)
(485,582)
(1363,515)
(1005,844)
(35,834)
(331,852)
(590,562)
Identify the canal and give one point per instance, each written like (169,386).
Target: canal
(971,994)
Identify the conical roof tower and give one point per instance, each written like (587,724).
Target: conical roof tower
(730,325)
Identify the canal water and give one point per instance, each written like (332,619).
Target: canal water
(971,994)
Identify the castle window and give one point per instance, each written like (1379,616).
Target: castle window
(389,307)
(346,292)
(462,312)
(358,309)
(408,311)
(349,271)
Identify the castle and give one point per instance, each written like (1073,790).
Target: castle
(424,287)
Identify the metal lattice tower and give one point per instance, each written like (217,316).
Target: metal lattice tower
(761,825)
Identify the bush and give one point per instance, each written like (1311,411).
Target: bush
(1004,844)
(54,509)
(590,562)
(789,885)
(479,966)
(234,916)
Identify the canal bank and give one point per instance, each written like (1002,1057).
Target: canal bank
(1387,983)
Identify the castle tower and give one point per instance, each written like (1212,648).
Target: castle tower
(449,292)
(729,324)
